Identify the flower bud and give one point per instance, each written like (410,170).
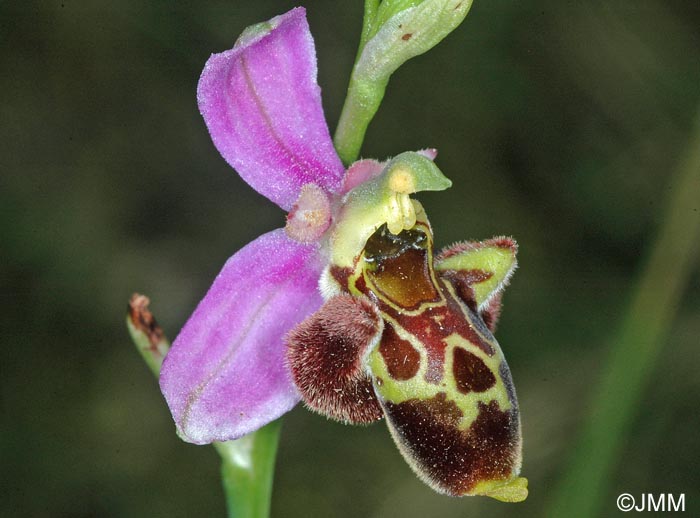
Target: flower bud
(404,29)
(394,31)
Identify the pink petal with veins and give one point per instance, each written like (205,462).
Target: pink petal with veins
(262,105)
(225,375)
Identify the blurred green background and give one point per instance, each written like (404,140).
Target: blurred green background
(560,123)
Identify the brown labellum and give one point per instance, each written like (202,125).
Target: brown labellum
(450,460)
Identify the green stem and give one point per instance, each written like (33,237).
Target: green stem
(361,104)
(362,100)
(247,471)
(248,463)
(636,346)
(370,13)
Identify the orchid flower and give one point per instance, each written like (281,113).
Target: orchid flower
(346,307)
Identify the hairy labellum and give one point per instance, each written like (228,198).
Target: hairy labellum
(421,334)
(326,354)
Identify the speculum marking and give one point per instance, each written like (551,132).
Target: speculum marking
(470,372)
(400,267)
(401,358)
